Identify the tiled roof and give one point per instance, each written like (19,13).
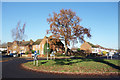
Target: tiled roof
(94,46)
(24,43)
(20,43)
(9,44)
(37,42)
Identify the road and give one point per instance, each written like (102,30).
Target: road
(12,69)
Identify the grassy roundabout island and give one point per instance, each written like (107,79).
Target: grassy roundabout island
(76,66)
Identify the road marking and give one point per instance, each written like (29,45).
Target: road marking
(4,61)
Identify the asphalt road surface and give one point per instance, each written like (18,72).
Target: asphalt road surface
(12,69)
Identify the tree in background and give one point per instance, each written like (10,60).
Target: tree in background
(66,26)
(45,48)
(18,32)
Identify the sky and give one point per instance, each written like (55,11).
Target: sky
(100,17)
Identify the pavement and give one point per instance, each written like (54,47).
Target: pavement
(13,69)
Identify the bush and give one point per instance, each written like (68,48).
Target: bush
(33,51)
(78,49)
(27,52)
(104,52)
(59,54)
(79,54)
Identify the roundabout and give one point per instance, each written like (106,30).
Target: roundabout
(84,67)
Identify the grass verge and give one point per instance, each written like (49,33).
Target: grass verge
(76,65)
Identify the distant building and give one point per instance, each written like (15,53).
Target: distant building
(3,47)
(40,46)
(19,46)
(91,48)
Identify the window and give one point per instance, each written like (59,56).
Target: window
(36,46)
(33,48)
(42,45)
(42,52)
(57,49)
(21,47)
(25,49)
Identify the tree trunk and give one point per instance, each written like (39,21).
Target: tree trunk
(66,48)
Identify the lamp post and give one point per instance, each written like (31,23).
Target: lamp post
(47,49)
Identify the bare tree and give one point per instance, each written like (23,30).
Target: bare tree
(66,26)
(18,32)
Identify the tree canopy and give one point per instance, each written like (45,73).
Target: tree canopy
(18,32)
(66,26)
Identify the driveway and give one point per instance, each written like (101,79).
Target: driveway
(12,69)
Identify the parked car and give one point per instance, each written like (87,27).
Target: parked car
(15,55)
(11,55)
(32,55)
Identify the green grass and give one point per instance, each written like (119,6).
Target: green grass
(77,65)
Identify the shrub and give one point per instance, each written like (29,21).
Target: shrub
(27,52)
(79,54)
(104,52)
(78,49)
(33,51)
(58,54)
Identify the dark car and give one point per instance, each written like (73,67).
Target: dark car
(11,54)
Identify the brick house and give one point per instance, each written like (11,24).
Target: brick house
(91,48)
(40,44)
(86,47)
(19,46)
(3,47)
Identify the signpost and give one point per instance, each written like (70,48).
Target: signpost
(107,55)
(35,59)
(52,55)
(110,54)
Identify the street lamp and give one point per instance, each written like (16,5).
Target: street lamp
(47,49)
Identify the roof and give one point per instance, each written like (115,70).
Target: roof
(9,44)
(20,43)
(24,43)
(74,48)
(37,42)
(4,45)
(98,46)
(94,46)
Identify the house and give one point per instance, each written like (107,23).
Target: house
(91,48)
(36,45)
(40,45)
(3,47)
(86,47)
(74,49)
(19,46)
